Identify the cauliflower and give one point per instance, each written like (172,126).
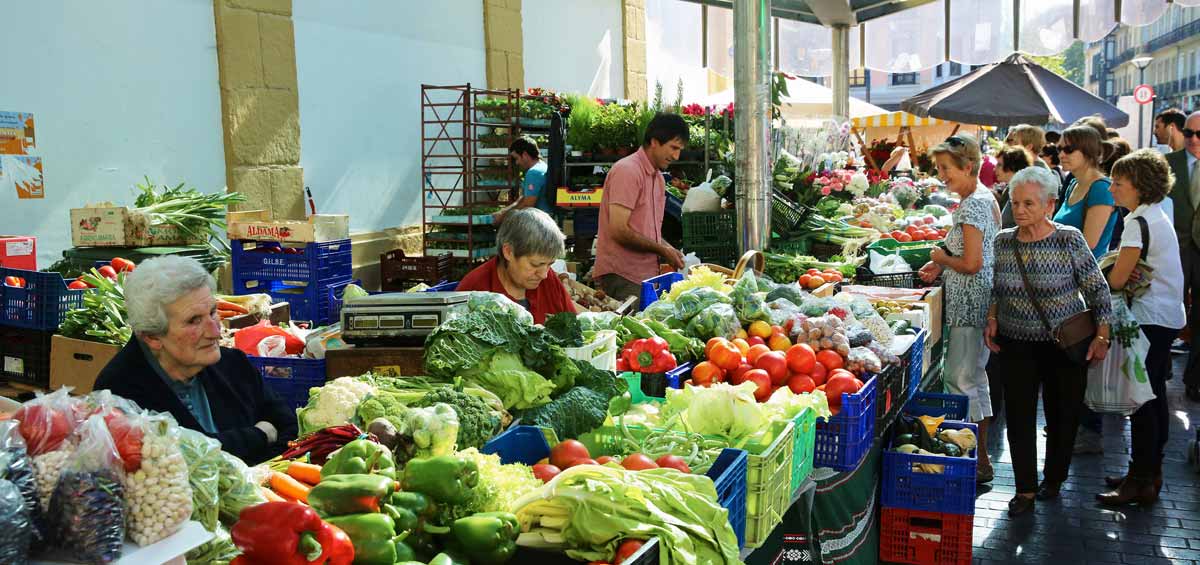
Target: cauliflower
(333,404)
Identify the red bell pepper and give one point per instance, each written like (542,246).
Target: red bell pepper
(288,533)
(652,355)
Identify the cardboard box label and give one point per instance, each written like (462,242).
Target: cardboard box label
(14,365)
(18,248)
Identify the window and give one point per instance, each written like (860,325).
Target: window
(858,77)
(899,79)
(955,69)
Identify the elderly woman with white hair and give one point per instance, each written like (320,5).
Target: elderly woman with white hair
(529,241)
(1044,275)
(174,363)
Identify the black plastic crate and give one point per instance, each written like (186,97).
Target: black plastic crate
(708,228)
(890,396)
(908,279)
(725,255)
(25,355)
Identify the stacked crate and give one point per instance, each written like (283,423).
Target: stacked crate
(927,517)
(300,274)
(32,305)
(711,236)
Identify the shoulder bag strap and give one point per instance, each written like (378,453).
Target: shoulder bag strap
(1145,226)
(1029,290)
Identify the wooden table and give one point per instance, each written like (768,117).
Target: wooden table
(393,361)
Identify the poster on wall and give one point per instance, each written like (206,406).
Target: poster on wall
(17,133)
(22,173)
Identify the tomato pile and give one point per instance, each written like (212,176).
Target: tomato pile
(813,279)
(570,453)
(920,230)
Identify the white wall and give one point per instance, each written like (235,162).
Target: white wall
(119,89)
(360,68)
(574,46)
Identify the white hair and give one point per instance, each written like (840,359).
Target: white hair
(1046,179)
(155,284)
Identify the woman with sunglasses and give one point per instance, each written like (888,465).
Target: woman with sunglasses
(967,265)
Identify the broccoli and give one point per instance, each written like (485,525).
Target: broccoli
(477,422)
(390,405)
(573,414)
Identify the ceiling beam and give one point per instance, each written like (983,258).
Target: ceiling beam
(833,12)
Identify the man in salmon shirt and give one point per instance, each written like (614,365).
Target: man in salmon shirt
(629,243)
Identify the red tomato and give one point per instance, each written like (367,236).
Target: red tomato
(804,280)
(742,345)
(583,461)
(123,265)
(545,472)
(708,346)
(775,364)
(605,459)
(801,384)
(885,236)
(830,359)
(108,272)
(801,358)
(567,451)
(725,355)
(818,374)
(673,462)
(627,549)
(763,383)
(896,234)
(77,285)
(904,238)
(757,351)
(638,462)
(812,272)
(14,282)
(929,220)
(910,230)
(706,373)
(738,375)
(755,340)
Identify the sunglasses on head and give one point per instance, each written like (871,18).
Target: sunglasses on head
(955,141)
(1189,132)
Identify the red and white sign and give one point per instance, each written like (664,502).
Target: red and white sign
(1143,94)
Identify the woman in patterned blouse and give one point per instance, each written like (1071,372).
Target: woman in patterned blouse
(1065,280)
(967,265)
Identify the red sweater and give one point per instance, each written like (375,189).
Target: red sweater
(547,299)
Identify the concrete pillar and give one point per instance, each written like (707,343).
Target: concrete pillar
(504,44)
(260,115)
(633,24)
(841,71)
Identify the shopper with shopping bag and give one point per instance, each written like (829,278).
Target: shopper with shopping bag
(1149,253)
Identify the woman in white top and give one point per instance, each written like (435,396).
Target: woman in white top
(1140,182)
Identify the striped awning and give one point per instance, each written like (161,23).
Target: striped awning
(897,119)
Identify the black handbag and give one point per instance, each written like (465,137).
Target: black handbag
(1074,335)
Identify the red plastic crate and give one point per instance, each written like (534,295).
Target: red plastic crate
(924,538)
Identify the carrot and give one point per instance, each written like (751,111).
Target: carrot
(304,472)
(270,495)
(289,487)
(226,313)
(225,305)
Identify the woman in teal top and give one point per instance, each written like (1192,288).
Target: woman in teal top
(1089,205)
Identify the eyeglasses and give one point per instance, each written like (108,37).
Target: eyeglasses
(1064,148)
(1189,132)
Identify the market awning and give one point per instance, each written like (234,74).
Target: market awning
(900,119)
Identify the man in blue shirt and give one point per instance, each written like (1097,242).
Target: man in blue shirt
(524,153)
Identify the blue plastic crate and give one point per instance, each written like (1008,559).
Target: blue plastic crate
(843,440)
(587,221)
(674,207)
(951,491)
(651,288)
(268,260)
(914,362)
(891,383)
(528,445)
(952,406)
(41,304)
(335,300)
(291,377)
(444,286)
(308,301)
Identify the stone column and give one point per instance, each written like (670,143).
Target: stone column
(260,115)
(504,44)
(633,23)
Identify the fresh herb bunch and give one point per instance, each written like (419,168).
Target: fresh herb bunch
(193,212)
(102,317)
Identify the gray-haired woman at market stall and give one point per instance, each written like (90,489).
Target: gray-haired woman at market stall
(966,265)
(1063,281)
(174,363)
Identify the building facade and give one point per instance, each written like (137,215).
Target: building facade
(1174,43)
(888,90)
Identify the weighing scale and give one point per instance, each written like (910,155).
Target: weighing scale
(399,318)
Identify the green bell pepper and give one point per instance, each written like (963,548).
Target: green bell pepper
(361,457)
(373,535)
(445,559)
(487,537)
(446,479)
(338,495)
(407,509)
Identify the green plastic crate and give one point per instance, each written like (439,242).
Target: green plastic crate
(804,436)
(725,255)
(916,253)
(768,482)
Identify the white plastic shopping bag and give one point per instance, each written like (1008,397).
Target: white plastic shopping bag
(1120,384)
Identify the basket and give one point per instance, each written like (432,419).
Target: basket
(308,302)
(601,353)
(708,228)
(290,377)
(952,406)
(953,490)
(914,363)
(786,215)
(804,435)
(395,269)
(271,260)
(924,538)
(915,253)
(25,356)
(845,439)
(41,304)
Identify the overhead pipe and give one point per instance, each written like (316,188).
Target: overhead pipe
(752,121)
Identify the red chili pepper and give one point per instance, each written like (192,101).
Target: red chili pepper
(289,533)
(652,355)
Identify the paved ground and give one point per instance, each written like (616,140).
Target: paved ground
(1075,528)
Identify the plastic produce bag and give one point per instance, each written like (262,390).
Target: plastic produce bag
(791,291)
(1119,384)
(692,302)
(248,339)
(17,467)
(498,302)
(782,310)
(717,320)
(748,301)
(862,360)
(87,509)
(203,457)
(721,184)
(236,489)
(18,531)
(217,551)
(883,264)
(660,310)
(702,198)
(47,421)
(596,321)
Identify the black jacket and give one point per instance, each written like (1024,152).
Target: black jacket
(236,396)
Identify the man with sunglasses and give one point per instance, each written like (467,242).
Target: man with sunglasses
(1185,165)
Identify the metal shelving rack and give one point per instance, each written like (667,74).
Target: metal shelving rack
(452,161)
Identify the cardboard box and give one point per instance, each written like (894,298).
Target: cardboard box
(259,225)
(76,363)
(116,226)
(18,252)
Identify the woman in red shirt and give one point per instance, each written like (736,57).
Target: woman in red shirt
(529,241)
